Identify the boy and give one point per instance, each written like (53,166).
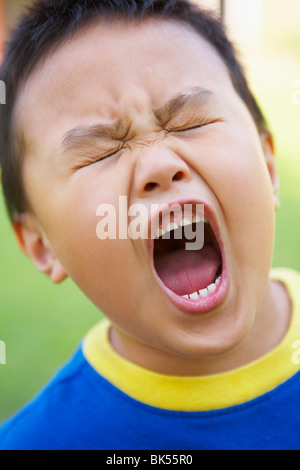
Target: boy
(145,100)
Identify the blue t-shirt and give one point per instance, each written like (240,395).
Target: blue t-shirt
(81,410)
(101,401)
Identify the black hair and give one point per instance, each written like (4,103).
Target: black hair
(48,23)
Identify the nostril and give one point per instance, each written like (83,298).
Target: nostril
(150,186)
(178,176)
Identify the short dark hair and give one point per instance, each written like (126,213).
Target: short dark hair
(48,23)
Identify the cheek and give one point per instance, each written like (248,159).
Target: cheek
(247,198)
(232,165)
(243,183)
(230,160)
(75,221)
(106,270)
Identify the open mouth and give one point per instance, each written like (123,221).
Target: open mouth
(192,275)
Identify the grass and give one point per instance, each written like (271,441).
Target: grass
(42,324)
(285,118)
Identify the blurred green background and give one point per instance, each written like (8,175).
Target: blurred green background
(42,324)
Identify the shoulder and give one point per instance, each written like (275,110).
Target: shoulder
(52,414)
(291,281)
(287,276)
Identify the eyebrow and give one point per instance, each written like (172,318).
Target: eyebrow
(85,136)
(196,97)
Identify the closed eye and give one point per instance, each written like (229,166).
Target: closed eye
(91,160)
(111,154)
(191,127)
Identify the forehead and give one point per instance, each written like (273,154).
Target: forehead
(118,69)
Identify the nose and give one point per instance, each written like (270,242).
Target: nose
(159,168)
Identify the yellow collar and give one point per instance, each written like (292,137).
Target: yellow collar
(203,393)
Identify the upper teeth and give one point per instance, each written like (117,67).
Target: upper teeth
(161,231)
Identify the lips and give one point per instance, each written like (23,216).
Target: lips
(193,276)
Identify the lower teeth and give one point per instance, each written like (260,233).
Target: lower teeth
(202,294)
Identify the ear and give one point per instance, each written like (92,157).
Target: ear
(35,245)
(268,149)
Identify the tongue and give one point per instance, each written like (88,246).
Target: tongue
(185,272)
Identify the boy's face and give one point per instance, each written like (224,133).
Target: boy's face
(124,73)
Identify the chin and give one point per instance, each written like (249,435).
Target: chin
(210,342)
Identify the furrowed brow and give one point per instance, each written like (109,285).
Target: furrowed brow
(84,136)
(87,136)
(197,97)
